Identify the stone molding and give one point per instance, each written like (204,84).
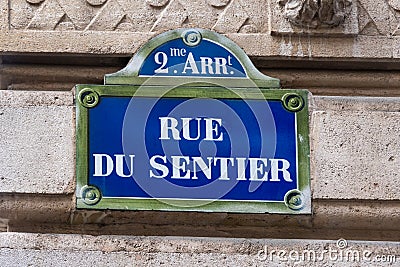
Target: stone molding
(367,29)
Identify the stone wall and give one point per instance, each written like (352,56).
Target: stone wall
(343,51)
(355,153)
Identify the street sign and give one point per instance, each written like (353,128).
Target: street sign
(191,125)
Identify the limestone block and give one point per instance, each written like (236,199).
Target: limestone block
(36,142)
(356,148)
(17,249)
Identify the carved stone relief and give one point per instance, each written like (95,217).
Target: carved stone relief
(316,13)
(138,15)
(317,17)
(335,17)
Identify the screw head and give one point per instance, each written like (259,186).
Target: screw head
(191,37)
(293,102)
(294,199)
(91,195)
(88,97)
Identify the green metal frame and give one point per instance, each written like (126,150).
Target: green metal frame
(127,82)
(293,100)
(130,74)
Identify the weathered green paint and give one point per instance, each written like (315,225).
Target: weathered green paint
(126,83)
(195,92)
(129,74)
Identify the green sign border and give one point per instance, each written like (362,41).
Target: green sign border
(297,202)
(126,83)
(130,74)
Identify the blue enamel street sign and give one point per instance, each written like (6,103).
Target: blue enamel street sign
(191,125)
(176,58)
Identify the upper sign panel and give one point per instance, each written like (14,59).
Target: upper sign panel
(190,55)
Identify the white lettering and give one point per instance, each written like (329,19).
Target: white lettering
(190,64)
(241,169)
(256,169)
(120,165)
(98,165)
(104,166)
(177,167)
(120,160)
(213,128)
(206,62)
(206,169)
(158,166)
(223,167)
(186,128)
(275,170)
(229,61)
(220,63)
(162,62)
(178,52)
(169,124)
